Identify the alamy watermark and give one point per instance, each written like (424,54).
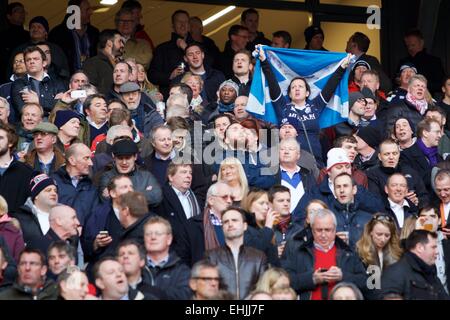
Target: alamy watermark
(74,20)
(374,20)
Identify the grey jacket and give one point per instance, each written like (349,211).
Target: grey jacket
(143,181)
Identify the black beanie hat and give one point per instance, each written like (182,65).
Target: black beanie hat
(38,183)
(370,135)
(311,31)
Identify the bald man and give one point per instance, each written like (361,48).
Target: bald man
(64,225)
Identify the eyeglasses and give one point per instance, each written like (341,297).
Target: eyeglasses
(382,218)
(362,101)
(225,197)
(208,279)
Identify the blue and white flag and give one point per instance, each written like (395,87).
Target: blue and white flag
(315,66)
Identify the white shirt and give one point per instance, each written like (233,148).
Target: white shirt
(399,211)
(446,210)
(116,212)
(296,193)
(43,218)
(183,197)
(331,186)
(440,263)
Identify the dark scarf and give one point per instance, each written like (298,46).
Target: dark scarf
(225,107)
(284,223)
(430,153)
(429,272)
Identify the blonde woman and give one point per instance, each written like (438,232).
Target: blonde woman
(379,245)
(232,173)
(146,86)
(273,278)
(195,82)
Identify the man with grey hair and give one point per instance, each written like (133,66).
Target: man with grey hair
(204,231)
(142,109)
(177,106)
(325,261)
(205,280)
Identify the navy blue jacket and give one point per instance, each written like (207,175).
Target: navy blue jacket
(48,89)
(258,175)
(84,198)
(308,135)
(352,219)
(368,201)
(172,278)
(309,182)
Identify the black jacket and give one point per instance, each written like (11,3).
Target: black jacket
(172,278)
(403,109)
(43,242)
(414,157)
(100,72)
(413,280)
(241,279)
(15,184)
(428,65)
(301,268)
(379,175)
(167,57)
(212,79)
(48,89)
(29,222)
(412,210)
(63,37)
(171,209)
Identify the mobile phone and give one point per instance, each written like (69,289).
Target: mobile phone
(323,270)
(77,94)
(104,233)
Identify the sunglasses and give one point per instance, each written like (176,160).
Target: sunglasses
(382,218)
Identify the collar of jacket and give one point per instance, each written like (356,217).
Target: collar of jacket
(27,290)
(65,175)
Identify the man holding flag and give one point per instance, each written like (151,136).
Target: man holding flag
(312,80)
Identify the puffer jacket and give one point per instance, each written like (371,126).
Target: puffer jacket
(240,279)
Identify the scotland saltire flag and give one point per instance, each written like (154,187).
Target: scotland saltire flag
(315,66)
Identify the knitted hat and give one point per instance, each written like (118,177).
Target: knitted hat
(293,121)
(353,97)
(64,116)
(229,83)
(406,66)
(367,93)
(370,135)
(311,31)
(361,63)
(336,156)
(413,128)
(41,20)
(38,183)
